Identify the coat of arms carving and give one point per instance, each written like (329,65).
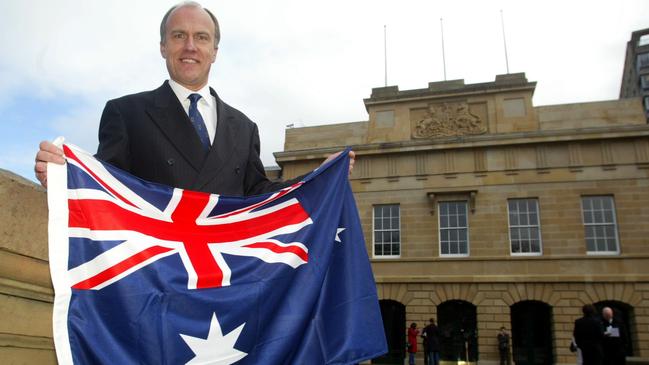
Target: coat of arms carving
(448,119)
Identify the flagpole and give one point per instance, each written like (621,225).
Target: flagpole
(441,24)
(502,24)
(385,53)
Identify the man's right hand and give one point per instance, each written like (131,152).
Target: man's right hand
(47,152)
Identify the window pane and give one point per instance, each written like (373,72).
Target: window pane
(463,248)
(536,247)
(445,250)
(377,223)
(443,208)
(516,247)
(378,249)
(590,244)
(395,210)
(461,208)
(395,223)
(452,208)
(462,221)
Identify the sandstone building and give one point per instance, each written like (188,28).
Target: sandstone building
(481,210)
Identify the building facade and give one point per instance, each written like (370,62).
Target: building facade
(481,210)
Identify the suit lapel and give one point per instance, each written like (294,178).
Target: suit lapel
(171,118)
(223,146)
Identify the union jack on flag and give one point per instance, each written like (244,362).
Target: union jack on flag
(149,274)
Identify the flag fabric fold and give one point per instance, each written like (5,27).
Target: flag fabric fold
(149,274)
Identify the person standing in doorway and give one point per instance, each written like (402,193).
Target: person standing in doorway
(614,341)
(503,346)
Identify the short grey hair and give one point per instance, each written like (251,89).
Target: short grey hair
(165,18)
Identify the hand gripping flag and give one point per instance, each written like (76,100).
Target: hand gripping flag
(148,274)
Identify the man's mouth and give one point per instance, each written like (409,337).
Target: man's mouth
(188,60)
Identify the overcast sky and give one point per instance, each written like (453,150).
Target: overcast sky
(302,62)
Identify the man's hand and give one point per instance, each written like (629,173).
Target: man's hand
(47,152)
(352,158)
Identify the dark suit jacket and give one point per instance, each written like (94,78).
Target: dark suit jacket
(588,335)
(150,135)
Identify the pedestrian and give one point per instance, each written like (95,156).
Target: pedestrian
(588,335)
(614,341)
(431,343)
(503,346)
(413,332)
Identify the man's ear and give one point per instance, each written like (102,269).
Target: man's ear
(216,51)
(163,50)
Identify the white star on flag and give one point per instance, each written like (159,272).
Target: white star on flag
(216,349)
(338,231)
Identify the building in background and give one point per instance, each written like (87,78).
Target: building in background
(635,78)
(481,210)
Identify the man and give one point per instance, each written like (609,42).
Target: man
(588,335)
(181,134)
(614,341)
(503,346)
(431,343)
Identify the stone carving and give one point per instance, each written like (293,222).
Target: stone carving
(449,119)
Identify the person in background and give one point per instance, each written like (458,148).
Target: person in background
(503,346)
(413,332)
(614,341)
(588,333)
(431,343)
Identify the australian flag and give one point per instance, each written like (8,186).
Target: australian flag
(149,274)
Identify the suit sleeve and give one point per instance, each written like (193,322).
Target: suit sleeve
(113,138)
(256,181)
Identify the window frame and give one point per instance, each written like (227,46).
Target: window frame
(538,227)
(615,226)
(374,230)
(439,229)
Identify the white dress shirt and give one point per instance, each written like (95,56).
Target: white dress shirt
(206,105)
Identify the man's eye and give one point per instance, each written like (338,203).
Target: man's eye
(179,36)
(203,37)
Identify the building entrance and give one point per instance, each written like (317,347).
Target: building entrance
(394,325)
(457,322)
(532,333)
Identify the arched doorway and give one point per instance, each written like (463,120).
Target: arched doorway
(624,313)
(457,322)
(394,325)
(532,333)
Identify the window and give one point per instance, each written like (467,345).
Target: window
(387,232)
(600,224)
(644,82)
(453,229)
(642,61)
(524,230)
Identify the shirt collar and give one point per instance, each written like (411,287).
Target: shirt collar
(182,93)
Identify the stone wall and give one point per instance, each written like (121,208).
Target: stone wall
(26,293)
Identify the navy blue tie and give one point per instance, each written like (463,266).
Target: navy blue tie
(198,122)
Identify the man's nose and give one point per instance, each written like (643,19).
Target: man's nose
(189,44)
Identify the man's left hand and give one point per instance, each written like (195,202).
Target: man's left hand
(352,158)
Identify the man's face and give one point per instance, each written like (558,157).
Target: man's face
(607,314)
(188,47)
